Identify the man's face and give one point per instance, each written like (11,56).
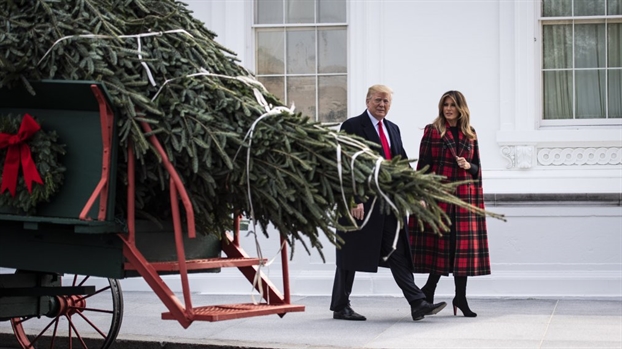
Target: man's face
(379,104)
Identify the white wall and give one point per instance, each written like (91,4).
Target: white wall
(424,49)
(230,20)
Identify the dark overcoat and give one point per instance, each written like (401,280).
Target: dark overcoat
(431,252)
(361,250)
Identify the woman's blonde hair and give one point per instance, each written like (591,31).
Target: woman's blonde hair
(464,119)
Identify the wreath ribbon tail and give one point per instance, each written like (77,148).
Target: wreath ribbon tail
(11,169)
(30,169)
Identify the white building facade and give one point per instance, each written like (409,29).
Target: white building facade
(544,85)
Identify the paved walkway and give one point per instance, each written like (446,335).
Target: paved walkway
(501,323)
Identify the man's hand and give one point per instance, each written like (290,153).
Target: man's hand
(358,212)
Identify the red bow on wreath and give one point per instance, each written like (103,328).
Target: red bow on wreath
(19,152)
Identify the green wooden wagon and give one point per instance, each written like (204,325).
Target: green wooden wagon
(66,260)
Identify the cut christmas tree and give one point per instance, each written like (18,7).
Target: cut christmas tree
(236,147)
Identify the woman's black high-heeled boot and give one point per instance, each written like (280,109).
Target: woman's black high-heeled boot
(460,301)
(430,287)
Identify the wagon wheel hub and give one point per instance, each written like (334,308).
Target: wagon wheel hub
(70,305)
(69,322)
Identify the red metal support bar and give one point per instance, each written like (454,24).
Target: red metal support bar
(175,178)
(184,315)
(131,191)
(176,187)
(101,190)
(203,264)
(236,230)
(138,262)
(179,245)
(285,271)
(269,291)
(172,303)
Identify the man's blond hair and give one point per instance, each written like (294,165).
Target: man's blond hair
(378,89)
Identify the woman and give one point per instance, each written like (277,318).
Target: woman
(449,146)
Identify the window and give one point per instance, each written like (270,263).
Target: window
(582,60)
(301,54)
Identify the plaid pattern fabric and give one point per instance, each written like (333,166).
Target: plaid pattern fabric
(430,252)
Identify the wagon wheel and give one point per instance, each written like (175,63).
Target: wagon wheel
(77,321)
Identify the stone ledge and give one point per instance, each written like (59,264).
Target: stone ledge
(608,199)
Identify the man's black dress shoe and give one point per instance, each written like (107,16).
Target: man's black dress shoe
(348,314)
(424,308)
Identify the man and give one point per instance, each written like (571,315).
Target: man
(363,249)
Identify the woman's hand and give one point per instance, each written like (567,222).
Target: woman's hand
(463,163)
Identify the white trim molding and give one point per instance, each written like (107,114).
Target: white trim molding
(519,156)
(579,156)
(524,157)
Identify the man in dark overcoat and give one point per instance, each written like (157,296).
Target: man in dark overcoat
(364,249)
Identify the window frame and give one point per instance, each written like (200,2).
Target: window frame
(284,27)
(571,122)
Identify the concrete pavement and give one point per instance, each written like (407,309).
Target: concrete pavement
(501,323)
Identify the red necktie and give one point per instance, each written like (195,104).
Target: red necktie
(385,144)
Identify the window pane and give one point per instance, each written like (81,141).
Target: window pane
(615,44)
(614,7)
(300,11)
(615,93)
(557,95)
(332,11)
(301,92)
(333,98)
(590,94)
(557,8)
(590,45)
(270,52)
(276,86)
(589,7)
(332,51)
(301,51)
(557,46)
(268,11)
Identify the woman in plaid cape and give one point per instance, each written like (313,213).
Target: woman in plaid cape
(449,146)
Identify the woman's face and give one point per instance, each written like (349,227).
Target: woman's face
(450,111)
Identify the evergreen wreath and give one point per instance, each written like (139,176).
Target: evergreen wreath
(45,151)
